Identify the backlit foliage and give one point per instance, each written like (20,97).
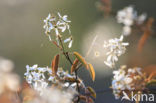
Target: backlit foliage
(56,84)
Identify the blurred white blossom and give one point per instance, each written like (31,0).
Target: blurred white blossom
(127,80)
(9,81)
(128,16)
(126,30)
(116,47)
(54,95)
(141,18)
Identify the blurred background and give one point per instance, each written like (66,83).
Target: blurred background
(22,37)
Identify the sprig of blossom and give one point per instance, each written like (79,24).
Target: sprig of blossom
(57,24)
(41,77)
(127,80)
(128,16)
(116,47)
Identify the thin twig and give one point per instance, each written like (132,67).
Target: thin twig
(57,45)
(70,61)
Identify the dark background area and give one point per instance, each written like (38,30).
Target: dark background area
(23,41)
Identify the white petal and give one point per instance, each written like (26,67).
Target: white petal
(126,30)
(125,44)
(49,38)
(109,58)
(121,38)
(62,28)
(49,16)
(59,15)
(108,64)
(67,40)
(115,58)
(65,17)
(57,41)
(66,84)
(141,18)
(56,31)
(35,66)
(70,44)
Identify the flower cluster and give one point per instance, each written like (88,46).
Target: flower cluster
(57,25)
(40,78)
(54,95)
(36,77)
(116,47)
(127,17)
(127,80)
(9,81)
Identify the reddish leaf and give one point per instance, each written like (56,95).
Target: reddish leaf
(81,59)
(86,99)
(73,68)
(92,71)
(72,79)
(150,69)
(91,91)
(151,83)
(55,64)
(146,34)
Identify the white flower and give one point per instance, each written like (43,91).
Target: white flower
(127,79)
(119,75)
(48,25)
(56,24)
(116,47)
(56,27)
(126,16)
(64,18)
(70,40)
(65,21)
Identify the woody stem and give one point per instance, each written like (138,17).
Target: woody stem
(70,61)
